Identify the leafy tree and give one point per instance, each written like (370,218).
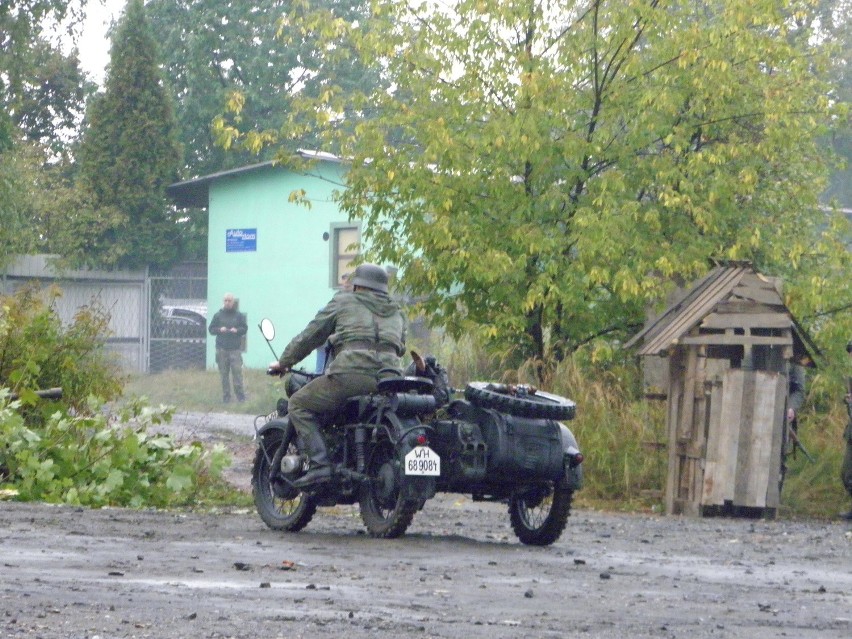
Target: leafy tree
(542,170)
(834,21)
(212,49)
(128,156)
(16,174)
(42,90)
(52,99)
(41,104)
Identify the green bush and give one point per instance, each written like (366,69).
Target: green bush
(95,460)
(72,450)
(37,351)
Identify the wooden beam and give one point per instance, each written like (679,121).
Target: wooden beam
(675,391)
(729,340)
(747,320)
(746,306)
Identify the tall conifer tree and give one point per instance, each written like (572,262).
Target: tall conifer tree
(129,155)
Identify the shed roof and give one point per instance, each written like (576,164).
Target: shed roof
(195,192)
(725,288)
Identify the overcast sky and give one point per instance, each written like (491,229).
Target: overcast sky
(94,44)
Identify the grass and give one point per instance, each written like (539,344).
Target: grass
(622,439)
(201,391)
(813,488)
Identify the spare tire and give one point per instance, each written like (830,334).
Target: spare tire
(535,405)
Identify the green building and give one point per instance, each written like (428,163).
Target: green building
(280,258)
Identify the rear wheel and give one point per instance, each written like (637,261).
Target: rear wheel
(539,513)
(280,506)
(383,509)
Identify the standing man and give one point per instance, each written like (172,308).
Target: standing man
(366,330)
(846,469)
(229,326)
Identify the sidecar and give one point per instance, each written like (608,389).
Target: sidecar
(508,443)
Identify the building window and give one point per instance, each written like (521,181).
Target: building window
(346,240)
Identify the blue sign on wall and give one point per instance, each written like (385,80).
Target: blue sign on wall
(237,240)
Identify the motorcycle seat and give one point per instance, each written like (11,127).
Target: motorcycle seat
(405,385)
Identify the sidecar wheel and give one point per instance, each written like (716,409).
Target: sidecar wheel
(281,507)
(540,405)
(384,511)
(539,514)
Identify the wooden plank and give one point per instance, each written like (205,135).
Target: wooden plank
(773,495)
(762,296)
(756,280)
(692,507)
(728,340)
(728,437)
(712,456)
(747,306)
(747,320)
(760,445)
(744,450)
(687,413)
(692,313)
(674,390)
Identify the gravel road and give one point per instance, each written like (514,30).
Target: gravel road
(458,573)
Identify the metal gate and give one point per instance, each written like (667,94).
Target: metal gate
(178,319)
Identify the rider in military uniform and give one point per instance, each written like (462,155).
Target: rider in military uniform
(366,330)
(846,469)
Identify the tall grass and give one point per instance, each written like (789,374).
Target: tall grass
(813,488)
(622,437)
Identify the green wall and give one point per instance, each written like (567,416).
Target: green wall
(287,277)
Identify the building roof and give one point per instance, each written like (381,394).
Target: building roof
(725,297)
(195,192)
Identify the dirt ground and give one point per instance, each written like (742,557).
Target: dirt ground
(458,573)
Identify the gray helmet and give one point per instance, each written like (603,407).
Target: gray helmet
(370,276)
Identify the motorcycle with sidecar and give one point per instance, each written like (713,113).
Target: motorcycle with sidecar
(396,448)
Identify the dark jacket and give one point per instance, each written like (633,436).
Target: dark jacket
(353,322)
(229,319)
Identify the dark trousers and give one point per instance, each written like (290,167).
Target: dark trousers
(230,363)
(846,468)
(318,400)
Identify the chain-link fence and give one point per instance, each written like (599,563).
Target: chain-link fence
(179,319)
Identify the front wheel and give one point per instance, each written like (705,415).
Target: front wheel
(539,513)
(280,506)
(384,510)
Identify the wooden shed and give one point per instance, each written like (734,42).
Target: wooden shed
(730,344)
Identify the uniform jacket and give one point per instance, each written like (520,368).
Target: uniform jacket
(229,319)
(348,321)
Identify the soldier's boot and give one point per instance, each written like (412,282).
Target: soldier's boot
(320,470)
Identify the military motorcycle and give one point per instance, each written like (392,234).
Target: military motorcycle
(396,448)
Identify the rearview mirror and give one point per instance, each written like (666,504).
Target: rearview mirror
(267,328)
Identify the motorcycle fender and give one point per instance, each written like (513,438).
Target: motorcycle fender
(281,424)
(419,489)
(413,487)
(573,476)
